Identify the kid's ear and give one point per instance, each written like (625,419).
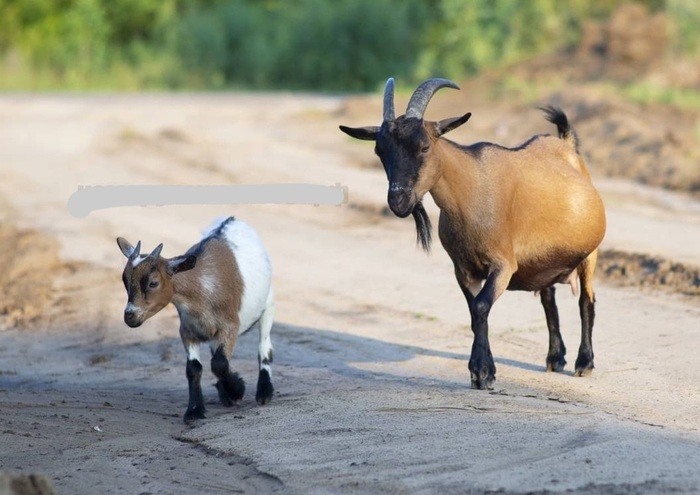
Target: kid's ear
(181,264)
(127,249)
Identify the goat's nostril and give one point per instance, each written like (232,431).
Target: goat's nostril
(400,202)
(130,318)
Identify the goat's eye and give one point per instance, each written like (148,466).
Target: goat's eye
(153,284)
(425,149)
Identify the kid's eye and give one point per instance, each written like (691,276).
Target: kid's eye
(153,284)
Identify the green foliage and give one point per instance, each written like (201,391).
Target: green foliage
(343,45)
(477,34)
(649,93)
(73,42)
(348,44)
(685,15)
(302,44)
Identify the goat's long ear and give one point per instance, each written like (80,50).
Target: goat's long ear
(181,264)
(127,249)
(446,125)
(368,133)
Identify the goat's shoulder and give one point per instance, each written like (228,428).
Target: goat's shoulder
(212,291)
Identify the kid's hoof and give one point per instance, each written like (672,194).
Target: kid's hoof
(194,414)
(231,389)
(265,388)
(223,396)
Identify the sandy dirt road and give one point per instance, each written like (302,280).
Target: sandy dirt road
(371,337)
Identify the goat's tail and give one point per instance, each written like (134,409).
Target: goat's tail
(557,117)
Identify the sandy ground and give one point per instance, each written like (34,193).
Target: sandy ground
(371,337)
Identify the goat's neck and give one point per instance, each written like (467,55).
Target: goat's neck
(458,182)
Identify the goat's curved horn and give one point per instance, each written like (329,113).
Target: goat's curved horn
(421,96)
(389,100)
(156,252)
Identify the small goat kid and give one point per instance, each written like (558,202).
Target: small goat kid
(521,218)
(221,288)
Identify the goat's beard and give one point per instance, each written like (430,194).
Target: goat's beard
(424,235)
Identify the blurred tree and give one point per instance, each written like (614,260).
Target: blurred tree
(470,36)
(685,15)
(296,44)
(72,41)
(303,44)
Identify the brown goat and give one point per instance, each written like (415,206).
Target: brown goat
(522,218)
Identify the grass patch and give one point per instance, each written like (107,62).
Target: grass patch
(646,93)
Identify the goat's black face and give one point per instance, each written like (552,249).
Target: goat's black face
(402,146)
(405,145)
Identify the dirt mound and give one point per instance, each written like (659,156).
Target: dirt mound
(27,267)
(653,146)
(632,101)
(632,45)
(631,42)
(641,270)
(39,290)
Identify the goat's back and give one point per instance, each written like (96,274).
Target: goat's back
(232,274)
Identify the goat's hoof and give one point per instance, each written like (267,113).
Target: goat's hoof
(265,388)
(223,396)
(555,363)
(584,371)
(584,365)
(194,414)
(231,389)
(483,371)
(484,379)
(483,383)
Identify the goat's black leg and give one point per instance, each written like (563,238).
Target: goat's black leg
(481,365)
(265,389)
(584,361)
(557,351)
(230,386)
(195,408)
